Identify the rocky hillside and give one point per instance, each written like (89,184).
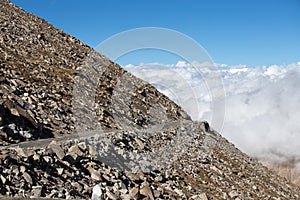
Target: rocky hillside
(42,156)
(38,66)
(287,169)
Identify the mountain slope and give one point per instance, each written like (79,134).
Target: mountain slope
(41,154)
(38,66)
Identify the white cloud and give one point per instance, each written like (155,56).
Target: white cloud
(181,64)
(237,70)
(262,103)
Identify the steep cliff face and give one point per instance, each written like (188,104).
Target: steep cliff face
(42,156)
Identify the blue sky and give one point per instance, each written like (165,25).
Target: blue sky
(251,32)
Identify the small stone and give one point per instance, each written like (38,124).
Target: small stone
(16,171)
(204,126)
(77,186)
(147,191)
(20,152)
(27,178)
(14,112)
(97,193)
(82,146)
(123,191)
(214,168)
(158,179)
(22,169)
(26,134)
(36,157)
(233,194)
(48,159)
(36,191)
(75,150)
(156,193)
(140,143)
(179,192)
(133,192)
(92,151)
(57,150)
(107,178)
(122,186)
(60,170)
(28,152)
(111,195)
(203,196)
(125,197)
(94,173)
(225,196)
(3,179)
(3,134)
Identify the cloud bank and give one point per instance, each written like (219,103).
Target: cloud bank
(262,108)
